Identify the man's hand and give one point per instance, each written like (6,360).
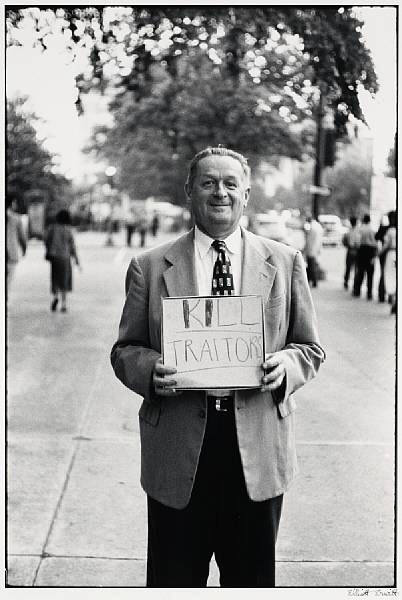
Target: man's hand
(274,372)
(164,385)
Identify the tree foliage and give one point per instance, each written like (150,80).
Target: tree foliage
(187,76)
(349,180)
(298,196)
(392,161)
(130,40)
(28,164)
(152,140)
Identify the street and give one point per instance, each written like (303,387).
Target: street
(76,511)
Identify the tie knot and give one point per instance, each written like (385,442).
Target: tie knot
(219,245)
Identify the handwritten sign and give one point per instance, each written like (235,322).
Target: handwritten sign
(214,341)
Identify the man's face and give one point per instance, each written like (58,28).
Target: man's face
(219,194)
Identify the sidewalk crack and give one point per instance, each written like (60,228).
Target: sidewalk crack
(78,439)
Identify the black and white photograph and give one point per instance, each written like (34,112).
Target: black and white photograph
(200,299)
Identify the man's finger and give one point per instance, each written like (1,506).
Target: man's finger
(274,374)
(164,382)
(271,363)
(269,387)
(162,369)
(273,379)
(274,384)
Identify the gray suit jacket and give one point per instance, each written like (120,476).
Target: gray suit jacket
(172,428)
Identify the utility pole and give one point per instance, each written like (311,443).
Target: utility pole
(319,153)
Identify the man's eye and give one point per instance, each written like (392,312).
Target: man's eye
(231,184)
(207,183)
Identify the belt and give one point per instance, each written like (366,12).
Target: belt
(220,403)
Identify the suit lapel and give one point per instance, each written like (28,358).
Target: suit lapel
(255,264)
(180,276)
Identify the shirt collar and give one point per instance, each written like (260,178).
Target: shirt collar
(203,242)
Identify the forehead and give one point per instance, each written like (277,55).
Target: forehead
(220,165)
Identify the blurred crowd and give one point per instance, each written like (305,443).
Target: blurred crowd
(365,246)
(139,219)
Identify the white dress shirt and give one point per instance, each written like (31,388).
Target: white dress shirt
(367,235)
(205,257)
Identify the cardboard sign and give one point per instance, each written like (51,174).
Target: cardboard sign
(214,341)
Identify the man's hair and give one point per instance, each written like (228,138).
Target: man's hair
(218,151)
(63,217)
(392,218)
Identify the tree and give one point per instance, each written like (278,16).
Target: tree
(392,161)
(158,136)
(28,164)
(129,41)
(298,196)
(350,180)
(188,75)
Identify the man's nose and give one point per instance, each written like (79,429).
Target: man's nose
(220,189)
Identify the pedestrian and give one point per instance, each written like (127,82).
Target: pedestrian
(131,225)
(312,248)
(60,249)
(351,241)
(155,225)
(215,463)
(365,258)
(389,252)
(379,236)
(16,240)
(143,225)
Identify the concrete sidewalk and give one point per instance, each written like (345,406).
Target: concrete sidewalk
(76,513)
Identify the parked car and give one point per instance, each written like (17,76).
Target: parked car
(333,230)
(269,225)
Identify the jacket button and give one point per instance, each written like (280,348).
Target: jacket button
(202,414)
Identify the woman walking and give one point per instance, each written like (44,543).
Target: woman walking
(60,248)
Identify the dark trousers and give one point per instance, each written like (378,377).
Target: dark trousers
(364,266)
(220,519)
(143,233)
(130,229)
(351,256)
(381,283)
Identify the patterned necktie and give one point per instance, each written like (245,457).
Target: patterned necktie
(222,279)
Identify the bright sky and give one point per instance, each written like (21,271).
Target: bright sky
(380,35)
(48,80)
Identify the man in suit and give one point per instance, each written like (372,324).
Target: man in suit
(215,463)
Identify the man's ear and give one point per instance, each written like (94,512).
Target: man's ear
(246,196)
(187,190)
